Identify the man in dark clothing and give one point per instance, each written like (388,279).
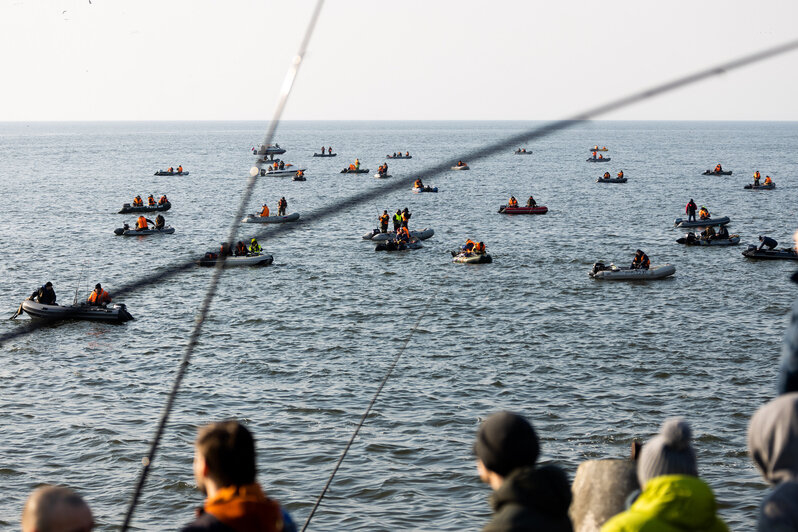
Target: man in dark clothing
(44,295)
(224,468)
(690,209)
(767,242)
(525,497)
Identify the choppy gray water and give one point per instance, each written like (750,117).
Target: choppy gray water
(297,349)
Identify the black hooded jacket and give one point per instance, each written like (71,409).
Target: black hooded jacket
(532,499)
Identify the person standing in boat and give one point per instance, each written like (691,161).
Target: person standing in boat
(620,174)
(397,220)
(640,261)
(594,155)
(757,177)
(357,164)
(282,205)
(690,209)
(44,295)
(98,297)
(384,219)
(531,202)
(322,150)
(405,217)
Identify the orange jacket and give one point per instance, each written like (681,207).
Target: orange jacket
(180,168)
(162,200)
(384,219)
(245,509)
(141,223)
(99,299)
(512,202)
(265,211)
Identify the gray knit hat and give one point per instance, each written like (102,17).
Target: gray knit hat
(668,453)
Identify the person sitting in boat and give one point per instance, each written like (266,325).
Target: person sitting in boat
(708,233)
(151,200)
(620,174)
(601,156)
(265,211)
(768,181)
(180,169)
(767,242)
(138,202)
(723,233)
(418,183)
(703,213)
(394,155)
(468,247)
(405,217)
(757,177)
(512,202)
(640,261)
(384,219)
(718,168)
(407,154)
(224,250)
(595,149)
(402,235)
(531,202)
(606,175)
(275,165)
(397,220)
(479,248)
(385,168)
(241,249)
(460,163)
(282,205)
(352,167)
(162,200)
(254,247)
(159,222)
(99,297)
(141,223)
(604,148)
(690,209)
(300,173)
(171,170)
(282,165)
(44,295)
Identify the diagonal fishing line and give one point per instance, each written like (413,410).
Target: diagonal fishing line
(532,134)
(371,404)
(217,271)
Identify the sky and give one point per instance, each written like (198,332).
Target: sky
(376,60)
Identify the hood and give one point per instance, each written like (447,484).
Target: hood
(683,501)
(773,439)
(245,509)
(544,488)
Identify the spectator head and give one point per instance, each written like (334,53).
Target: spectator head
(224,456)
(773,439)
(56,509)
(668,453)
(505,442)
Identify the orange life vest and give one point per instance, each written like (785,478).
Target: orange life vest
(99,299)
(179,168)
(768,181)
(384,219)
(265,211)
(513,202)
(162,200)
(141,223)
(480,247)
(620,174)
(150,201)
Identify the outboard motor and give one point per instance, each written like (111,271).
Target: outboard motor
(598,267)
(751,247)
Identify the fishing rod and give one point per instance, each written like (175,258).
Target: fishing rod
(532,134)
(217,271)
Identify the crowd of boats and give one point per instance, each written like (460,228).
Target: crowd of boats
(401,238)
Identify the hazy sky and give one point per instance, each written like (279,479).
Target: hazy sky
(372,59)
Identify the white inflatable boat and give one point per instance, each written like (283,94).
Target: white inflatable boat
(615,273)
(255,219)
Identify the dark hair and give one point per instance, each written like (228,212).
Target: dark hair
(229,452)
(97,286)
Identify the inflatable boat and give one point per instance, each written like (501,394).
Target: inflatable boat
(760,187)
(127,208)
(681,222)
(611,180)
(597,160)
(114,313)
(519,152)
(349,171)
(540,209)
(614,273)
(165,172)
(691,239)
(775,254)
(210,259)
(127,231)
(425,188)
(255,219)
(591,150)
(382,176)
(281,173)
(464,167)
(713,172)
(376,236)
(399,157)
(392,245)
(325,155)
(471,258)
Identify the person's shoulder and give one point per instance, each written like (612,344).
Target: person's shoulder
(206,523)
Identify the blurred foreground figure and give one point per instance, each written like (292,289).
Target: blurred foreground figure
(56,509)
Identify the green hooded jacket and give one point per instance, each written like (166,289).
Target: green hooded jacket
(670,503)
